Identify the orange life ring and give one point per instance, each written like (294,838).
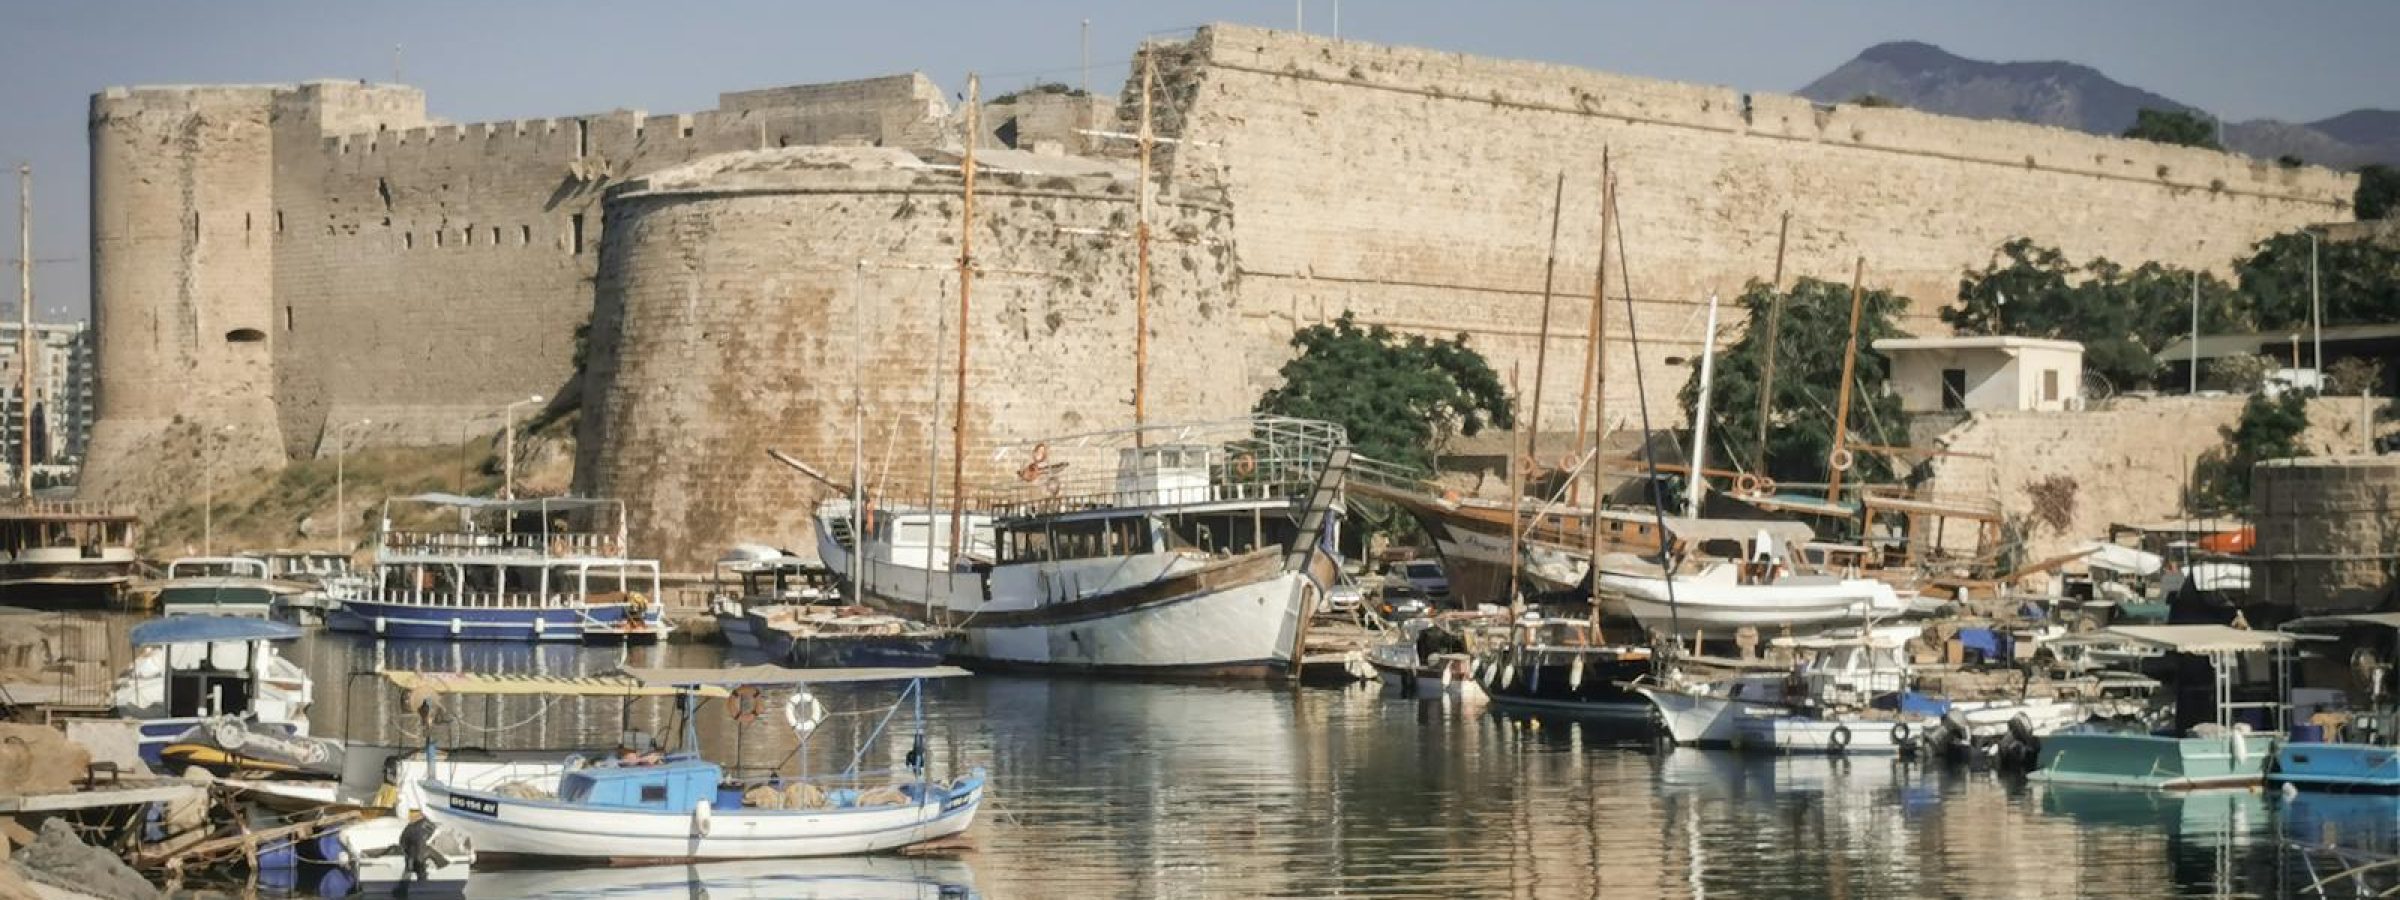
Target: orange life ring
(1244,464)
(744,704)
(1528,465)
(1745,483)
(1568,462)
(1766,486)
(1841,459)
(1041,454)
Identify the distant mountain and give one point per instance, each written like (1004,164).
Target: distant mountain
(1922,76)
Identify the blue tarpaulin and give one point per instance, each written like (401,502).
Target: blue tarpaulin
(202,629)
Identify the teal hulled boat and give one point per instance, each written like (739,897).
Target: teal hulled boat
(2351,745)
(2210,754)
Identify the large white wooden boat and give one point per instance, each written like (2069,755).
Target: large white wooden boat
(60,553)
(1188,551)
(680,807)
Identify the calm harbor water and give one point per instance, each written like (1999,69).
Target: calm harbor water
(1104,789)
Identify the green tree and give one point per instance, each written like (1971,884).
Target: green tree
(2378,194)
(2270,428)
(1400,398)
(1812,334)
(2188,129)
(2121,316)
(2359,281)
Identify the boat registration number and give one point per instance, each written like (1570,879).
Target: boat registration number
(475,805)
(957,802)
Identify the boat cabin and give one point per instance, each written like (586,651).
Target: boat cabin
(216,567)
(1231,531)
(1851,670)
(675,785)
(192,667)
(921,540)
(303,565)
(774,579)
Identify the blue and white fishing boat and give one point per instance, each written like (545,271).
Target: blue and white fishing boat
(681,808)
(2349,745)
(467,568)
(221,674)
(2216,736)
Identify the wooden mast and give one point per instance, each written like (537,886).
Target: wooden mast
(1584,410)
(1766,381)
(1840,458)
(1541,350)
(1598,379)
(25,330)
(1516,503)
(1141,273)
(966,279)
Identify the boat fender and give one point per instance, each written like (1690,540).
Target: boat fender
(1508,674)
(1841,737)
(743,707)
(1575,674)
(2241,748)
(700,818)
(1900,733)
(805,712)
(1449,671)
(454,626)
(378,624)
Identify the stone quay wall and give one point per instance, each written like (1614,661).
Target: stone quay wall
(2328,533)
(744,299)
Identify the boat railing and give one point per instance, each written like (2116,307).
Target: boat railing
(1261,457)
(67,509)
(1213,492)
(522,544)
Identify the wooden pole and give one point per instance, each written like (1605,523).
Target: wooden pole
(1766,380)
(966,280)
(1141,274)
(1584,411)
(1541,350)
(1516,505)
(1837,461)
(25,330)
(1599,381)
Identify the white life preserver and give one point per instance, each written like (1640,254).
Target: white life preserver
(700,819)
(805,712)
(1575,674)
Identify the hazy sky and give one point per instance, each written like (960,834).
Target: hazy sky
(507,59)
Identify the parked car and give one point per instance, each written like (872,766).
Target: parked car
(1345,599)
(1426,576)
(1402,601)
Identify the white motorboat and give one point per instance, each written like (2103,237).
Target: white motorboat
(1722,597)
(680,807)
(219,671)
(1192,551)
(221,586)
(1402,663)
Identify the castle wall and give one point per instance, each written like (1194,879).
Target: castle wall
(734,308)
(182,264)
(1415,187)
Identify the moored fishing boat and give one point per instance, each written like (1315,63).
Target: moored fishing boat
(218,674)
(787,610)
(222,586)
(1429,657)
(1188,551)
(1566,666)
(466,568)
(2347,745)
(2208,743)
(679,807)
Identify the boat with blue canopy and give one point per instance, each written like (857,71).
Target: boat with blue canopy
(2221,732)
(218,674)
(678,807)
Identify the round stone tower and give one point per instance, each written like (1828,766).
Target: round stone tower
(2328,532)
(182,193)
(741,297)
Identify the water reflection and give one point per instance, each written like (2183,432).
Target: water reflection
(866,878)
(1110,789)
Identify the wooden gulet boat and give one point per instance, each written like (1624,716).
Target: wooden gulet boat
(681,808)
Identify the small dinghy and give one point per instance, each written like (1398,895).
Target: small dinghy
(678,807)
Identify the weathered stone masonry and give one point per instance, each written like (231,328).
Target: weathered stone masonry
(283,259)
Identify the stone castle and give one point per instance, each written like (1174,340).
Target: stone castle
(271,263)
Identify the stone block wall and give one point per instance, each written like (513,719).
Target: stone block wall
(2329,532)
(742,299)
(1415,187)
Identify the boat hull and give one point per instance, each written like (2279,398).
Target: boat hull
(1553,685)
(407,621)
(501,827)
(1701,720)
(2154,762)
(1799,734)
(1449,677)
(1235,631)
(2322,766)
